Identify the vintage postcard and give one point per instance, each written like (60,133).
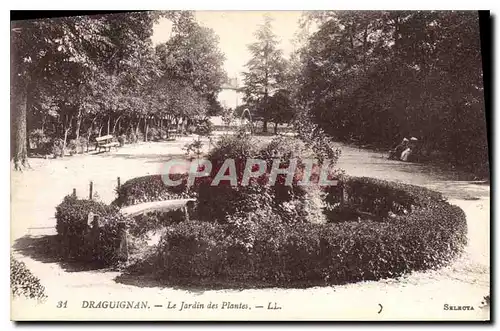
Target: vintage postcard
(250,165)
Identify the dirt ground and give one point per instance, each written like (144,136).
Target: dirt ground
(420,295)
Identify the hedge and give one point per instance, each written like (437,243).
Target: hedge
(75,233)
(23,282)
(293,203)
(151,188)
(381,197)
(266,250)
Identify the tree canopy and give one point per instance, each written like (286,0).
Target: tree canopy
(75,75)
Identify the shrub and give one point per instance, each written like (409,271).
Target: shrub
(154,221)
(260,249)
(78,146)
(293,203)
(381,197)
(140,136)
(38,138)
(83,144)
(204,128)
(72,147)
(132,138)
(314,137)
(57,148)
(215,202)
(195,147)
(40,142)
(122,139)
(151,188)
(23,282)
(153,134)
(76,237)
(162,133)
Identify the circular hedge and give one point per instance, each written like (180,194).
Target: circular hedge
(411,228)
(270,235)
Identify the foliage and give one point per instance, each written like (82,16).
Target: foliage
(78,146)
(151,188)
(154,134)
(194,147)
(228,115)
(271,253)
(78,241)
(83,74)
(23,282)
(155,221)
(204,127)
(266,72)
(58,148)
(294,203)
(378,76)
(38,138)
(122,139)
(280,107)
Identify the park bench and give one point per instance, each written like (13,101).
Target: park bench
(172,133)
(106,142)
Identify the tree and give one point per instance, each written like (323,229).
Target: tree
(377,76)
(214,106)
(280,108)
(193,55)
(192,71)
(266,71)
(69,62)
(41,51)
(93,74)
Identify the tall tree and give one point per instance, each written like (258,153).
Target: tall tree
(41,50)
(377,76)
(266,70)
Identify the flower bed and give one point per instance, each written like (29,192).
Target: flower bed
(267,235)
(267,251)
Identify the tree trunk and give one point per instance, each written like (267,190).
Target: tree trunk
(19,148)
(117,121)
(109,121)
(43,123)
(264,126)
(275,128)
(65,139)
(78,124)
(19,94)
(67,128)
(146,126)
(137,126)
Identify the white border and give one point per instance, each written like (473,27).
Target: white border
(185,4)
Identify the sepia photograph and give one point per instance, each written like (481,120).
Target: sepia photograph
(183,165)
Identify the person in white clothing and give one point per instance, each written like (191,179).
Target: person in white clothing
(408,151)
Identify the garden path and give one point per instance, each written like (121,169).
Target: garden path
(420,295)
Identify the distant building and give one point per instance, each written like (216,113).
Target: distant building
(231,95)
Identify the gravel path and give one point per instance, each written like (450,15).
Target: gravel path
(420,295)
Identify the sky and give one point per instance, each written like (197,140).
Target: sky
(235,30)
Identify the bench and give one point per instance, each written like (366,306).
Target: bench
(172,133)
(105,142)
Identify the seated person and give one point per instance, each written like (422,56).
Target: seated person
(406,154)
(396,152)
(410,154)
